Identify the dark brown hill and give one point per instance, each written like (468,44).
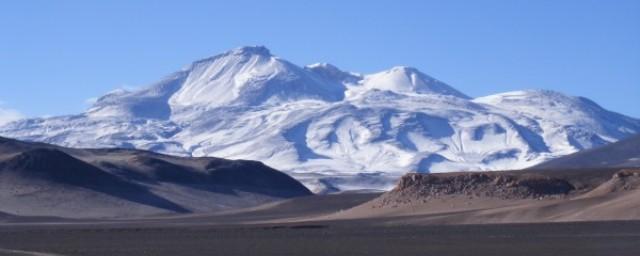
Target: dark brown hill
(46,180)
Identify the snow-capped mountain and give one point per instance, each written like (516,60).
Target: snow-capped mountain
(332,129)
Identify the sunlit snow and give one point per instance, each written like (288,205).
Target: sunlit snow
(333,130)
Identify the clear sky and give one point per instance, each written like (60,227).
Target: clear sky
(54,55)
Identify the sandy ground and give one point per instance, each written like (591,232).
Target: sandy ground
(601,220)
(326,238)
(279,229)
(456,210)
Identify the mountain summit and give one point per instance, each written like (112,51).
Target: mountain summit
(408,80)
(333,129)
(246,76)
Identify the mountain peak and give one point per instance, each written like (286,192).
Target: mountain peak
(250,76)
(530,95)
(323,65)
(251,50)
(403,79)
(331,72)
(404,69)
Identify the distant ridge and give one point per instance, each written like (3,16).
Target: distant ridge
(623,153)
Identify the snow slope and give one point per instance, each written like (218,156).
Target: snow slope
(332,129)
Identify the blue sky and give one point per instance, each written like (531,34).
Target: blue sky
(54,55)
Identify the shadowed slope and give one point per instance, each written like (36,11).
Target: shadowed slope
(624,153)
(58,167)
(41,179)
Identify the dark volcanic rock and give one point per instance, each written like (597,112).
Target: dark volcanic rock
(490,184)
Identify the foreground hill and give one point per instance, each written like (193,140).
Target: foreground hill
(42,179)
(506,197)
(331,129)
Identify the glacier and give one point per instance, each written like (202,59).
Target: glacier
(331,129)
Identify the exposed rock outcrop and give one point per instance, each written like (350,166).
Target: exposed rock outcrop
(623,180)
(416,187)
